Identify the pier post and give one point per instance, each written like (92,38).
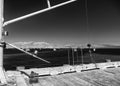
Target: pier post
(2,73)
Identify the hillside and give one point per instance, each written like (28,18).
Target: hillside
(32,45)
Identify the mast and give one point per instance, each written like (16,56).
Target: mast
(2,75)
(1,28)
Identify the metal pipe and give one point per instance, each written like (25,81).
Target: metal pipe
(1,29)
(82,55)
(73,55)
(37,12)
(2,72)
(69,56)
(48,3)
(28,53)
(77,55)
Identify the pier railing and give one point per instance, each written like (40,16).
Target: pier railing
(74,68)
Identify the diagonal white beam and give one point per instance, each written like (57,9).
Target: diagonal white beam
(28,53)
(37,12)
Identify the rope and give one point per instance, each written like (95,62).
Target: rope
(86,9)
(82,55)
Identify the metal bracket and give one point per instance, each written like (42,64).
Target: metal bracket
(3,44)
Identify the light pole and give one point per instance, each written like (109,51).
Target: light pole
(90,52)
(77,55)
(81,51)
(89,46)
(69,56)
(68,53)
(73,55)
(82,55)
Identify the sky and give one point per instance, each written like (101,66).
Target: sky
(68,24)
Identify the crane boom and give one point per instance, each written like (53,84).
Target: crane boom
(37,12)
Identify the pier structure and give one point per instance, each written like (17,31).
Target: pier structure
(86,74)
(22,77)
(72,68)
(3,79)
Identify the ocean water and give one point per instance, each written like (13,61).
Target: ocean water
(14,58)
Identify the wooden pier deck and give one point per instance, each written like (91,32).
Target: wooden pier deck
(98,77)
(107,77)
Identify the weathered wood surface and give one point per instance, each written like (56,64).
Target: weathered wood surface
(83,75)
(107,77)
(20,80)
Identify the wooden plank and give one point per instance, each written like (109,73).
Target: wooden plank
(20,81)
